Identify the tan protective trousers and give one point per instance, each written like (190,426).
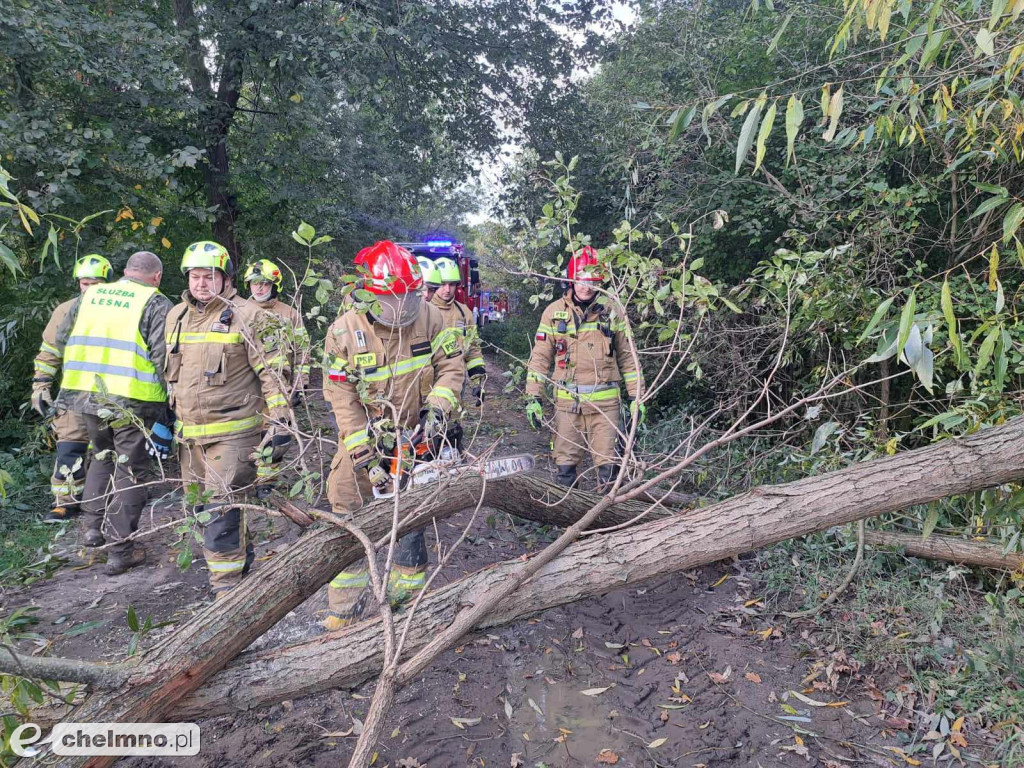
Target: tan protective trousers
(592,431)
(221,470)
(348,593)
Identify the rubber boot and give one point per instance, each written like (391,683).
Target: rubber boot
(606,474)
(62,514)
(348,596)
(118,564)
(566,475)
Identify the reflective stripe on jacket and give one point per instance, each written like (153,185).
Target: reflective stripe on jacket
(220,375)
(585,354)
(50,358)
(106,352)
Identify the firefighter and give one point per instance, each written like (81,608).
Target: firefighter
(69,465)
(227,388)
(374,361)
(265,281)
(585,342)
(431,276)
(112,342)
(458,316)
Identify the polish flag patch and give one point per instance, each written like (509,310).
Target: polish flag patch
(541,336)
(337,376)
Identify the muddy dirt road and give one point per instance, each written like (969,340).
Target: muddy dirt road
(685,671)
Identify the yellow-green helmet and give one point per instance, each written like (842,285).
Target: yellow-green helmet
(265,271)
(206,255)
(93,265)
(431,274)
(448,270)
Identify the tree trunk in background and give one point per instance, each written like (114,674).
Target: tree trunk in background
(950,548)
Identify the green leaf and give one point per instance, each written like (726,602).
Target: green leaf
(9,259)
(991,188)
(81,629)
(298,239)
(993,268)
(682,122)
(930,521)
(985,352)
(946,301)
(988,205)
(1012,221)
(835,109)
(709,110)
(906,322)
(763,134)
(133,619)
(876,318)
(747,133)
(985,39)
(778,35)
(306,231)
(925,368)
(185,558)
(794,118)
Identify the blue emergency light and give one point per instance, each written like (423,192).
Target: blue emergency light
(440,243)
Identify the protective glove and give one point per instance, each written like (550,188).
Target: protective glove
(638,412)
(297,397)
(431,423)
(535,414)
(377,475)
(161,441)
(274,445)
(478,389)
(41,400)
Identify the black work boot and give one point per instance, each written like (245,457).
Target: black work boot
(566,475)
(61,514)
(118,564)
(93,538)
(606,474)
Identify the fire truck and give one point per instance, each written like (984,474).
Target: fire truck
(468,291)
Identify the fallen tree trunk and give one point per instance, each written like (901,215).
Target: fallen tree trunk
(181,663)
(603,563)
(950,548)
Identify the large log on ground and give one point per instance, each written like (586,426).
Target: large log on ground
(955,550)
(602,563)
(182,662)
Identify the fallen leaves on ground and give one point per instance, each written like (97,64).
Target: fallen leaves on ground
(607,757)
(753,677)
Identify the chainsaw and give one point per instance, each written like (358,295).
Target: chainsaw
(411,464)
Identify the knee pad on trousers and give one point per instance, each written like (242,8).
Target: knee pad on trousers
(566,475)
(411,551)
(71,455)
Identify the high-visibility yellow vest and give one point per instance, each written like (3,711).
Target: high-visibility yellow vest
(106,352)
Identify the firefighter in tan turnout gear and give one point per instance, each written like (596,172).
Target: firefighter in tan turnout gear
(69,466)
(585,343)
(373,363)
(227,389)
(265,280)
(112,345)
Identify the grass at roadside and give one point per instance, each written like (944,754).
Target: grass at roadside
(935,642)
(25,541)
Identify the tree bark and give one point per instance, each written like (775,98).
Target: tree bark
(602,563)
(184,661)
(950,548)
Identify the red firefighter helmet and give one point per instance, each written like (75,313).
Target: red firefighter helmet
(392,269)
(583,266)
